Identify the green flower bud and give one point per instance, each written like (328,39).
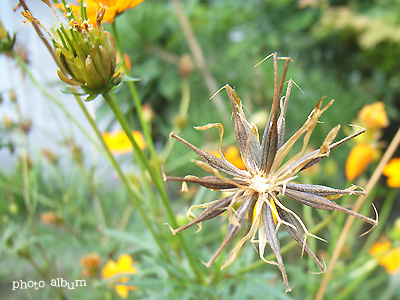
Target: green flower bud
(87,55)
(6,42)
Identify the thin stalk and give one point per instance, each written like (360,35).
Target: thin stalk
(53,99)
(198,55)
(309,220)
(360,201)
(134,193)
(44,40)
(138,106)
(42,273)
(183,108)
(362,273)
(139,163)
(157,181)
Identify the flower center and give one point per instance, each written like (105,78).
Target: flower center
(261,184)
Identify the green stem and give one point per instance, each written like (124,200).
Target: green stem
(138,106)
(355,281)
(134,193)
(185,97)
(146,182)
(157,179)
(44,91)
(157,176)
(42,273)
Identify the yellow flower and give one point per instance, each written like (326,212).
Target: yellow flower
(119,143)
(115,7)
(359,158)
(387,257)
(373,116)
(122,266)
(392,171)
(231,154)
(379,248)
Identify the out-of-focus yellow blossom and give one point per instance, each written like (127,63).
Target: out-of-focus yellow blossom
(359,158)
(392,172)
(387,257)
(231,154)
(50,218)
(115,7)
(122,266)
(119,143)
(90,263)
(373,116)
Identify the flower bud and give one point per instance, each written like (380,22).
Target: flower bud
(185,66)
(6,42)
(87,55)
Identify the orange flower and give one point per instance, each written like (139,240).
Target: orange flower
(392,171)
(387,257)
(50,218)
(359,158)
(122,266)
(90,264)
(119,143)
(231,154)
(114,8)
(374,116)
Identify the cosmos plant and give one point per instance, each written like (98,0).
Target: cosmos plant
(255,192)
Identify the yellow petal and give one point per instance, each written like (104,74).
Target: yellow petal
(392,171)
(124,263)
(359,158)
(380,248)
(119,143)
(274,211)
(110,269)
(122,290)
(391,261)
(374,116)
(232,155)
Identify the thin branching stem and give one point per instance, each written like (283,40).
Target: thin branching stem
(360,201)
(135,195)
(44,40)
(198,55)
(157,181)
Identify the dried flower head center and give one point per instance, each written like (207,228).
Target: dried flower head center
(260,184)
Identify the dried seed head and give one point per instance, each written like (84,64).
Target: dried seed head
(255,190)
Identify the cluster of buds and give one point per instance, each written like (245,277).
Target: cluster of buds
(87,55)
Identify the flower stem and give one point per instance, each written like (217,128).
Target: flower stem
(155,175)
(342,239)
(157,178)
(134,193)
(53,99)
